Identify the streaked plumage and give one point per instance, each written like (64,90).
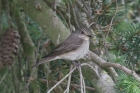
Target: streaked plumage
(73,48)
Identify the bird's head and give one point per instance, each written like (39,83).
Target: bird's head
(84,33)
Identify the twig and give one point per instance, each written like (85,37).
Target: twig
(94,69)
(105,64)
(4,76)
(69,21)
(88,88)
(63,17)
(69,79)
(123,2)
(75,18)
(123,68)
(91,24)
(81,80)
(112,19)
(85,5)
(61,80)
(54,6)
(74,85)
(83,9)
(113,74)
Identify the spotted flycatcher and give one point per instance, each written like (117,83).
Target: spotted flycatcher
(73,48)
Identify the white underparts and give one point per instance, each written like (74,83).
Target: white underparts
(76,54)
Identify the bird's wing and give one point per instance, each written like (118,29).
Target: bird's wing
(46,59)
(72,43)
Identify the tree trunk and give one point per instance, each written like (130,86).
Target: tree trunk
(99,78)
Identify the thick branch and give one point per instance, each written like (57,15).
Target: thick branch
(116,65)
(97,76)
(46,18)
(28,47)
(105,64)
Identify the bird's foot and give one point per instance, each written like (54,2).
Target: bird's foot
(76,64)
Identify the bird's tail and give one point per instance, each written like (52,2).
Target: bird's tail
(45,59)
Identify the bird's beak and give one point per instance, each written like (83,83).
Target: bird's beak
(89,35)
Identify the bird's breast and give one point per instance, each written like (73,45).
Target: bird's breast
(83,50)
(77,54)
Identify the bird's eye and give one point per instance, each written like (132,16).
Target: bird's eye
(82,32)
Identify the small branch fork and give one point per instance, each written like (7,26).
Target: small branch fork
(62,79)
(69,79)
(98,60)
(72,69)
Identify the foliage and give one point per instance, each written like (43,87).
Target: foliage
(127,84)
(116,31)
(4,21)
(127,39)
(34,29)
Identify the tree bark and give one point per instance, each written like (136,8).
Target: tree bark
(99,78)
(28,47)
(105,64)
(47,19)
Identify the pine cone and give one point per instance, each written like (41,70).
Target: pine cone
(9,46)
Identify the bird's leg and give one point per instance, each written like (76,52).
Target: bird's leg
(82,82)
(76,63)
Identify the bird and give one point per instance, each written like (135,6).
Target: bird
(73,48)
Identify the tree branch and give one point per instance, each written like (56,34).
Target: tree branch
(105,64)
(73,85)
